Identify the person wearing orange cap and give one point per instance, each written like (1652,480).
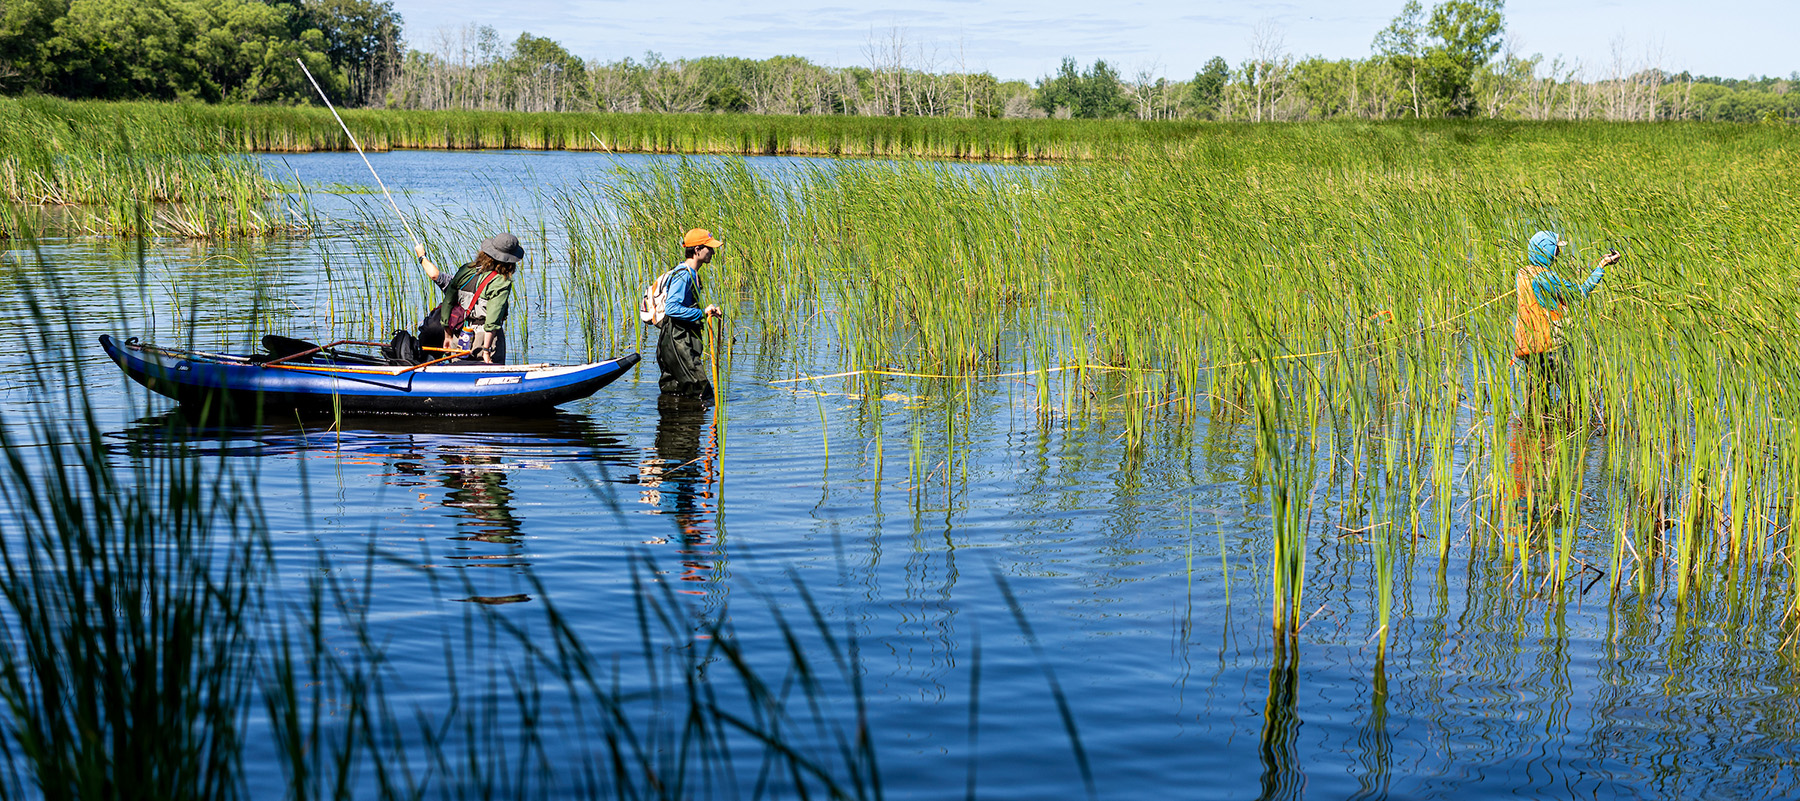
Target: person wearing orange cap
(679,349)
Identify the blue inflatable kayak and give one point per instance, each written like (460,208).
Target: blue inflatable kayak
(328,380)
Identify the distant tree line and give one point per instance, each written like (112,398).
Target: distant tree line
(1451,60)
(472,68)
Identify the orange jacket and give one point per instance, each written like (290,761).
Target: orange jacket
(1543,300)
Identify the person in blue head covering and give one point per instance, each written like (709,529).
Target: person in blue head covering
(1544,299)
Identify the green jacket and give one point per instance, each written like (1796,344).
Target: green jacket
(497,293)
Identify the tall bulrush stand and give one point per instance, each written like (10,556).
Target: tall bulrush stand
(1374,264)
(114,174)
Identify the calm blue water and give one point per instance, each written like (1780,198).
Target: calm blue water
(1141,570)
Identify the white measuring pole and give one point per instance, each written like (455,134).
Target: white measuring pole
(359,152)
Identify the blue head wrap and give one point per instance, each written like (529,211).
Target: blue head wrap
(1543,248)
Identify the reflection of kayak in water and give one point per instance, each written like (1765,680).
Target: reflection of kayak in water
(510,442)
(330,380)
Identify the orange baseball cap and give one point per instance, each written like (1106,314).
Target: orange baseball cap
(698,237)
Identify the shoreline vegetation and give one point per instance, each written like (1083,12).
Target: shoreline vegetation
(112,169)
(300,129)
(119,168)
(304,129)
(1454,58)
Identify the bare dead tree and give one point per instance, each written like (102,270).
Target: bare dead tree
(927,87)
(967,109)
(610,86)
(1268,66)
(669,86)
(1145,89)
(887,63)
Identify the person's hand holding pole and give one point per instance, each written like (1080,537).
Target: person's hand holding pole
(431,270)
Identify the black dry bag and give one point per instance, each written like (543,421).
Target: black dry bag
(403,349)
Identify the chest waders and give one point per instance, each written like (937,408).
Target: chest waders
(681,354)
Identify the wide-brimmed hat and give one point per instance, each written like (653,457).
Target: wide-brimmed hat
(504,248)
(700,237)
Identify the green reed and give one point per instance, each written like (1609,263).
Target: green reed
(125,169)
(1150,290)
(132,593)
(141,640)
(294,129)
(128,666)
(1377,260)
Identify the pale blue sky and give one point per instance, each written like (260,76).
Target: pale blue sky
(1732,38)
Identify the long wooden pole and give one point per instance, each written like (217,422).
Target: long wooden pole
(717,324)
(717,467)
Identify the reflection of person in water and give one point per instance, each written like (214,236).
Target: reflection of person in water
(477,485)
(677,478)
(1531,447)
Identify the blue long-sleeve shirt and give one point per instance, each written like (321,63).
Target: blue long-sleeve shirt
(1543,295)
(681,299)
(1553,290)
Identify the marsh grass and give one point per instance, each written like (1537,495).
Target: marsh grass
(1373,264)
(126,607)
(127,672)
(1342,290)
(95,169)
(140,640)
(290,129)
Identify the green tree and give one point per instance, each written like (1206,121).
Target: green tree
(1208,88)
(361,40)
(1059,92)
(544,75)
(1325,88)
(727,99)
(725,82)
(1094,94)
(213,50)
(1102,94)
(1401,47)
(245,51)
(1465,34)
(123,49)
(1436,58)
(534,53)
(25,27)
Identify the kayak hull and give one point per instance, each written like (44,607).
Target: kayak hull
(236,383)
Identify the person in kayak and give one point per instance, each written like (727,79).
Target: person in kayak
(476,299)
(1544,299)
(679,352)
